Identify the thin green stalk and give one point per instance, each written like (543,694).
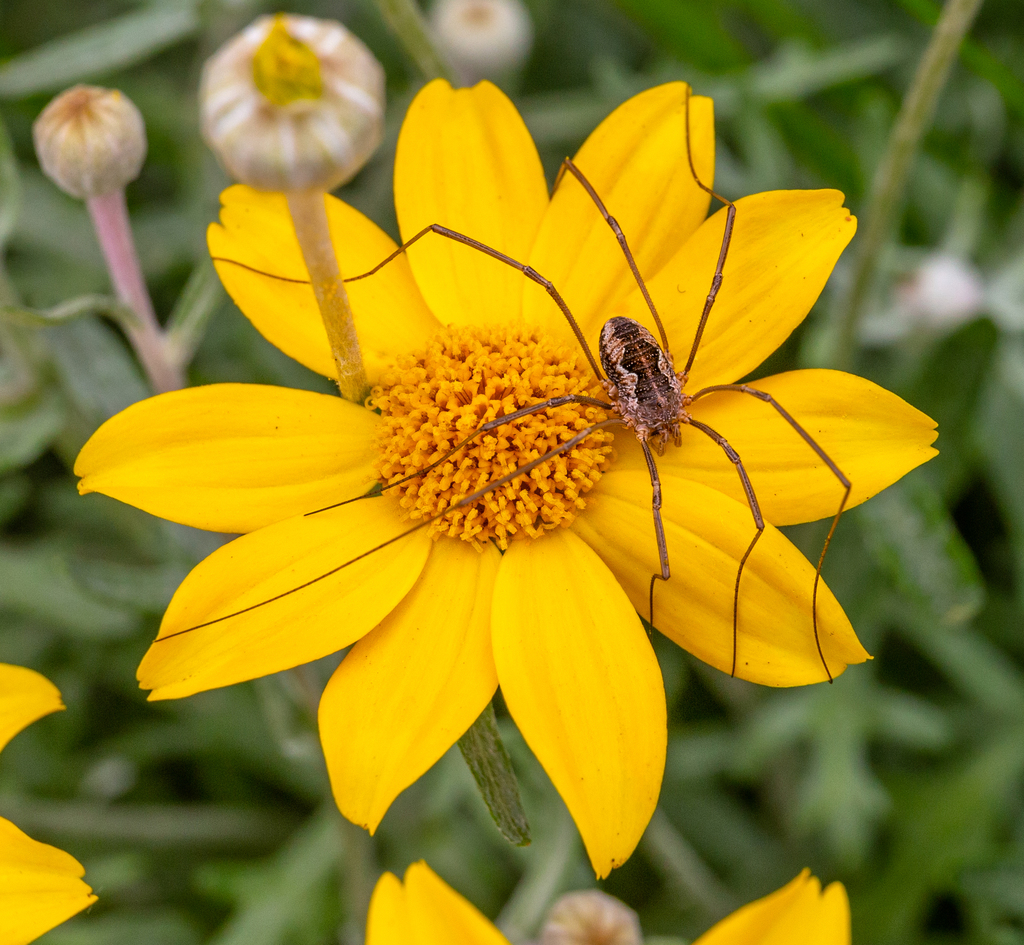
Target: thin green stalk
(406,21)
(890,181)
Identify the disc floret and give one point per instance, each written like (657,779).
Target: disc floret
(432,401)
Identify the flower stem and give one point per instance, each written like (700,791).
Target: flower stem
(889,184)
(406,21)
(109,214)
(309,217)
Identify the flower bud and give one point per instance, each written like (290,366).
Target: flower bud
(590,918)
(293,102)
(483,39)
(90,141)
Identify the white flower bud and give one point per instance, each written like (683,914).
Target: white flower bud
(483,39)
(293,102)
(590,918)
(90,141)
(943,291)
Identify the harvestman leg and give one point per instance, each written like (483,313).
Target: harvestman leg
(461,504)
(825,458)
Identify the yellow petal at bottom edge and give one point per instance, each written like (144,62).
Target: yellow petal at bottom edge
(425,911)
(411,687)
(25,696)
(707,534)
(581,680)
(40,887)
(798,914)
(262,603)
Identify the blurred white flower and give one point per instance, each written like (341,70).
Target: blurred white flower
(483,39)
(90,141)
(293,102)
(942,292)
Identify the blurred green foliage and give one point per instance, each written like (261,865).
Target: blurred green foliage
(205,820)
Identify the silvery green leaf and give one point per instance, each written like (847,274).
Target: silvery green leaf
(28,428)
(66,311)
(199,300)
(913,536)
(796,71)
(10,188)
(96,50)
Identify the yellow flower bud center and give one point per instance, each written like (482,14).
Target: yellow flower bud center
(466,377)
(286,69)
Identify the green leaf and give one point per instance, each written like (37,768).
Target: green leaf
(69,310)
(27,429)
(290,898)
(37,583)
(913,536)
(10,189)
(97,50)
(202,296)
(491,766)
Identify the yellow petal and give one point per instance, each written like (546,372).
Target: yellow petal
(40,887)
(232,457)
(636,161)
(388,920)
(438,915)
(465,160)
(256,231)
(798,914)
(783,248)
(581,681)
(873,436)
(707,534)
(410,688)
(25,696)
(302,626)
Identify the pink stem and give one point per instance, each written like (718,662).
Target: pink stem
(109,214)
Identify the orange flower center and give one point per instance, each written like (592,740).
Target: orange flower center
(466,377)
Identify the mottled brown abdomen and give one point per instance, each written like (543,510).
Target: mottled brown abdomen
(647,391)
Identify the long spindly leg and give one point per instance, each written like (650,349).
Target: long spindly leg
(755,510)
(659,529)
(444,231)
(568,165)
(825,458)
(730,219)
(461,504)
(483,428)
(527,271)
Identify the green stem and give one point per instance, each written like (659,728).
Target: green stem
(309,217)
(889,184)
(406,21)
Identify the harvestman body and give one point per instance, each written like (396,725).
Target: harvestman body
(646,394)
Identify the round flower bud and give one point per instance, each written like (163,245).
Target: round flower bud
(293,102)
(483,39)
(590,918)
(90,141)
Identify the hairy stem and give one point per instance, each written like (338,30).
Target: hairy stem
(889,184)
(309,217)
(109,214)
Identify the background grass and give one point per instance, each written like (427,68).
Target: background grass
(205,820)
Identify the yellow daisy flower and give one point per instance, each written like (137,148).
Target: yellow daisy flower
(40,886)
(452,338)
(424,910)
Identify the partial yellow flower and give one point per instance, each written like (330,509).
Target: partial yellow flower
(452,338)
(40,886)
(424,910)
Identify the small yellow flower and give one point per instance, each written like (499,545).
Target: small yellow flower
(40,886)
(451,338)
(425,910)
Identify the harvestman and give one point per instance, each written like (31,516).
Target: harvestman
(645,391)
